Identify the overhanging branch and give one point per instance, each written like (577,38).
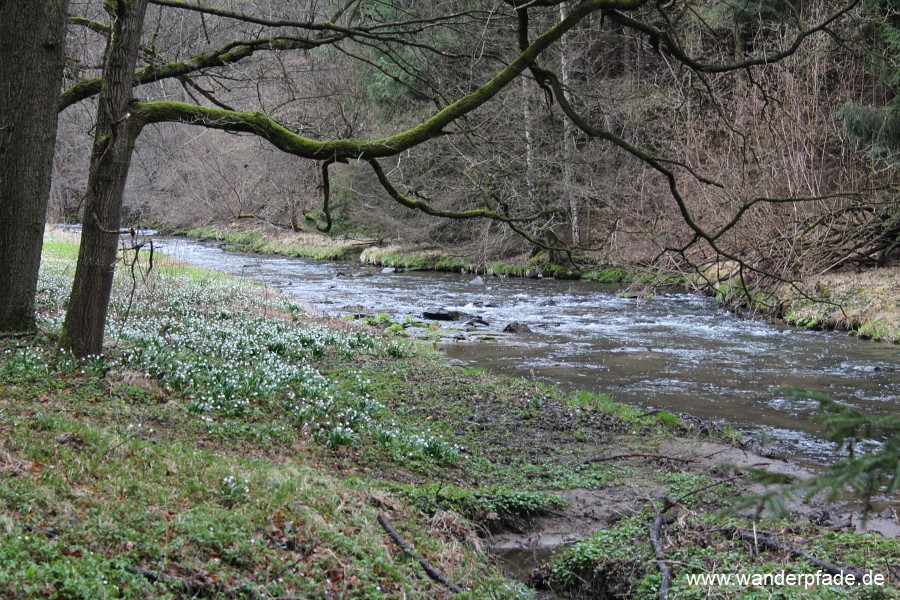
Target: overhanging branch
(226,55)
(428,209)
(349,149)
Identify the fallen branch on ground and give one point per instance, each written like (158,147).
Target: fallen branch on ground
(195,588)
(432,572)
(773,544)
(665,571)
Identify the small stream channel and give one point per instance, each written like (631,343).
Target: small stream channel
(676,351)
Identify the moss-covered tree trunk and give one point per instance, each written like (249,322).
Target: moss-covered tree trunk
(32,37)
(114,139)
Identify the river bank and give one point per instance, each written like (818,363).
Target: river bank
(863,303)
(231,444)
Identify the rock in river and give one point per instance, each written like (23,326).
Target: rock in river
(442,314)
(476,321)
(516,327)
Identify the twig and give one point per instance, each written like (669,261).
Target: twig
(432,572)
(16,334)
(773,544)
(136,247)
(303,555)
(116,447)
(597,459)
(706,487)
(193,587)
(665,571)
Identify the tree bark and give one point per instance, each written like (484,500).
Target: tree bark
(114,139)
(529,139)
(568,138)
(32,40)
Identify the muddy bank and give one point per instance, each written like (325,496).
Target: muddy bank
(589,510)
(543,553)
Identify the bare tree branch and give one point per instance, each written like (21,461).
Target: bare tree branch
(660,38)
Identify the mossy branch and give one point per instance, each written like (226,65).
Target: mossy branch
(226,55)
(259,124)
(95,26)
(428,209)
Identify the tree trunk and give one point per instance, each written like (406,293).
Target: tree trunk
(568,138)
(32,38)
(114,139)
(529,140)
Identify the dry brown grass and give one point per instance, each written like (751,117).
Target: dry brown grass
(867,302)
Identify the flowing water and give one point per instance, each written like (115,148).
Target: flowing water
(676,351)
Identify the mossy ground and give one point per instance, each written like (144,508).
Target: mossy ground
(230,445)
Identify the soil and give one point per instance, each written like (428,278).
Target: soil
(589,510)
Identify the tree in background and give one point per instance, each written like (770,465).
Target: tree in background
(878,127)
(459,62)
(120,119)
(874,125)
(32,40)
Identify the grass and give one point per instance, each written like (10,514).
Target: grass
(229,445)
(866,304)
(191,456)
(308,244)
(296,245)
(620,562)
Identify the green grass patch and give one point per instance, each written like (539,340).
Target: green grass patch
(592,400)
(204,453)
(300,245)
(493,507)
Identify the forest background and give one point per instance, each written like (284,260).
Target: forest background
(754,140)
(793,162)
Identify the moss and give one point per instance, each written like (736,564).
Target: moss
(562,272)
(507,270)
(610,275)
(431,260)
(294,245)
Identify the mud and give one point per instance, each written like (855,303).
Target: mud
(589,510)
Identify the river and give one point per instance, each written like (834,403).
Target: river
(674,351)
